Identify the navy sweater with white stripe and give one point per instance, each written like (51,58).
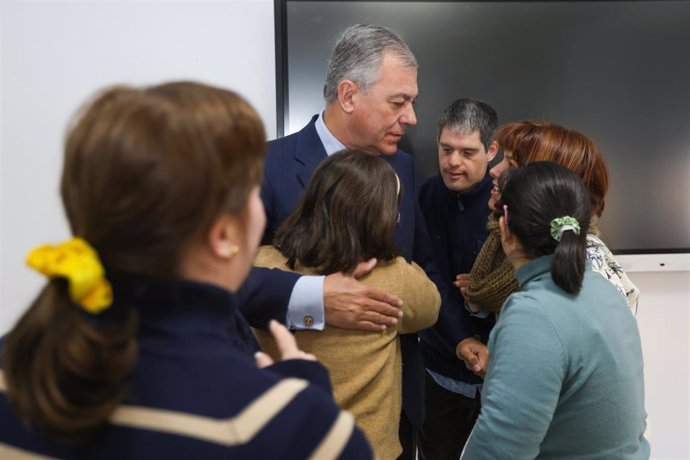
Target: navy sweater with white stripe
(197,393)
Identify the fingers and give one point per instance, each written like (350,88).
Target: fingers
(342,290)
(350,304)
(370,326)
(481,374)
(473,364)
(377,318)
(373,316)
(382,310)
(364,267)
(475,354)
(285,341)
(388,304)
(262,359)
(369,323)
(462,280)
(471,360)
(483,359)
(308,356)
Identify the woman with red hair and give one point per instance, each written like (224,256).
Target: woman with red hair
(525,142)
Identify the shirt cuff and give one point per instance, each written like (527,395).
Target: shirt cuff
(482,313)
(305,309)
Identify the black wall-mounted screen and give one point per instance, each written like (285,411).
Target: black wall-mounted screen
(618,71)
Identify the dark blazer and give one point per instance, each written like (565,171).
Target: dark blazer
(290,163)
(457,228)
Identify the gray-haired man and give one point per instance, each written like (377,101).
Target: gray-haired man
(370,88)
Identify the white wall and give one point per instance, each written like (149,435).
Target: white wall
(56,53)
(664,321)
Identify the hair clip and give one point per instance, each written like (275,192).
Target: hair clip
(77,262)
(559,225)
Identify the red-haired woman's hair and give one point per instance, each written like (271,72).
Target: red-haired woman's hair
(532,141)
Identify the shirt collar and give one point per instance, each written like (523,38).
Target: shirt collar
(330,143)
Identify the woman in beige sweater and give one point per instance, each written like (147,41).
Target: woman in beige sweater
(348,215)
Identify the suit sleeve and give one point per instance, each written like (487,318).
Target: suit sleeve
(266,292)
(422,253)
(265,295)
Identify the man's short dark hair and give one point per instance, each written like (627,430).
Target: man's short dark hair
(468,115)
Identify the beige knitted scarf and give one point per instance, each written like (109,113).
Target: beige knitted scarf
(492,277)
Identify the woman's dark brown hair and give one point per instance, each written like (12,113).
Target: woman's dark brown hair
(347,215)
(536,195)
(531,141)
(146,172)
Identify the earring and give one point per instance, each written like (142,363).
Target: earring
(229,250)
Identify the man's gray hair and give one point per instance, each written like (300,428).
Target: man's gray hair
(358,54)
(465,116)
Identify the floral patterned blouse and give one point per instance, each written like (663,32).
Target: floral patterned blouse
(605,263)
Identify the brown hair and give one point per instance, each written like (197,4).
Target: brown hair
(531,141)
(347,215)
(146,171)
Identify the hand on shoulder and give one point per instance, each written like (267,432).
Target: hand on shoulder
(349,304)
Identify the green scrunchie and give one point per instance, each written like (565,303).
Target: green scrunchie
(562,224)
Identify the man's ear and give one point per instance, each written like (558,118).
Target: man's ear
(223,236)
(346,94)
(493,150)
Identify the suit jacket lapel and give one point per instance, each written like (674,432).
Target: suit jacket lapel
(309,152)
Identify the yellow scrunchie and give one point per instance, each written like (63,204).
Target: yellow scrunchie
(78,262)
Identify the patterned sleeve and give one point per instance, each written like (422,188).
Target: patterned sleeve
(604,263)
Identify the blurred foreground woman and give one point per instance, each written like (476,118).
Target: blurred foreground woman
(136,347)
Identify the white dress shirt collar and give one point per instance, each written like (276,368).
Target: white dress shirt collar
(329,141)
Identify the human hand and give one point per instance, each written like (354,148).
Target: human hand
(462,282)
(475,354)
(350,304)
(286,344)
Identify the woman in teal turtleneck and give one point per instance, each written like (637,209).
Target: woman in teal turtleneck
(566,375)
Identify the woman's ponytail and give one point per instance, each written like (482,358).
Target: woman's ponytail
(66,374)
(568,266)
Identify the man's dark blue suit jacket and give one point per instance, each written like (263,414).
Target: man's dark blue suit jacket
(290,163)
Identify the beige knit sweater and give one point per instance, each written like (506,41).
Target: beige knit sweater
(365,367)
